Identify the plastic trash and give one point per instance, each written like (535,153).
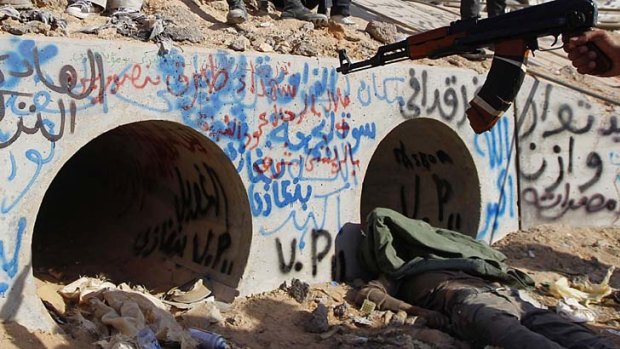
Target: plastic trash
(146,339)
(585,292)
(208,340)
(575,312)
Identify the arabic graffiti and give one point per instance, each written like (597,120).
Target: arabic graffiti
(298,134)
(568,168)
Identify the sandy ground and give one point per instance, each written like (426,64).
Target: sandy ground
(276,320)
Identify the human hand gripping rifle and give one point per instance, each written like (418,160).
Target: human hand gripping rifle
(512,35)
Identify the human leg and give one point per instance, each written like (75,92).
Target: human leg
(237,13)
(562,331)
(295,9)
(496,7)
(341,12)
(341,7)
(470,9)
(490,319)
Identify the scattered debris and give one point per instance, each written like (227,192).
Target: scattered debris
(264,47)
(304,48)
(341,310)
(30,21)
(398,319)
(362,321)
(241,43)
(146,339)
(368,307)
(387,317)
(127,311)
(583,291)
(189,293)
(575,312)
(413,320)
(208,340)
(299,290)
(318,322)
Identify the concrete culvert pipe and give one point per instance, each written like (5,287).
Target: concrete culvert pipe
(423,170)
(151,203)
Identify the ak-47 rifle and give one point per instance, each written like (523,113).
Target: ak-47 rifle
(512,35)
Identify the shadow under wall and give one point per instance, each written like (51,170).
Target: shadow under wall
(152,203)
(423,170)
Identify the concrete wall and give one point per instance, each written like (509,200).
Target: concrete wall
(252,169)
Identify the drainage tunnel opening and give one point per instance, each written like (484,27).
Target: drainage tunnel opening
(152,203)
(423,170)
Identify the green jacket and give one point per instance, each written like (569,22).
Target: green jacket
(398,246)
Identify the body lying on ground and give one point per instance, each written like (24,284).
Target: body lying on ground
(459,285)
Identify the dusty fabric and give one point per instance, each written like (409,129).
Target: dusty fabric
(398,246)
(127,311)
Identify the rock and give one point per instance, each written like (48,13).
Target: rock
(283,47)
(231,30)
(381,31)
(241,43)
(189,33)
(336,29)
(306,27)
(299,290)
(305,49)
(341,310)
(34,27)
(265,47)
(353,38)
(318,321)
(399,318)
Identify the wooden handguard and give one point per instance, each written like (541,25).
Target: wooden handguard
(501,86)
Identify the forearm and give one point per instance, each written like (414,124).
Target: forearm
(383,300)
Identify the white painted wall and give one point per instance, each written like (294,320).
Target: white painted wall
(321,126)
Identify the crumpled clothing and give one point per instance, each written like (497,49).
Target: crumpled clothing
(125,310)
(46,17)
